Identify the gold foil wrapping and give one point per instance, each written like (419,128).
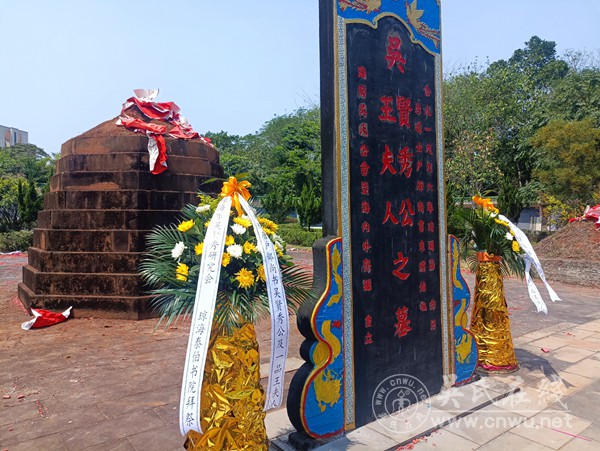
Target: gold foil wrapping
(490,323)
(232,404)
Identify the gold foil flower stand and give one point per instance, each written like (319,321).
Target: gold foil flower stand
(233,400)
(490,323)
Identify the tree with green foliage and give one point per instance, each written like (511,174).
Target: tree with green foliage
(279,160)
(576,97)
(27,161)
(506,103)
(9,203)
(20,202)
(278,203)
(29,202)
(308,205)
(569,166)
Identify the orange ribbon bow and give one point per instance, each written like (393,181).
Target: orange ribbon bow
(233,188)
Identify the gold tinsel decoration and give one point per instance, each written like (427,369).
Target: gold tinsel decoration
(231,411)
(490,323)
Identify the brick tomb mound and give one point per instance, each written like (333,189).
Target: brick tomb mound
(572,255)
(102,202)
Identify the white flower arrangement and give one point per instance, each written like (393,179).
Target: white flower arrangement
(238,229)
(178,250)
(235,250)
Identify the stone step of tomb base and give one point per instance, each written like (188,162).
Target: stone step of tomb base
(105,219)
(90,240)
(118,200)
(129,161)
(117,307)
(84,262)
(79,284)
(130,180)
(136,143)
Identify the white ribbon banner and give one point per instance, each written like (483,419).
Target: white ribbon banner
(279,313)
(531,259)
(204,306)
(204,309)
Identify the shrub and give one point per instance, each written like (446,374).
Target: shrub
(537,236)
(16,241)
(296,235)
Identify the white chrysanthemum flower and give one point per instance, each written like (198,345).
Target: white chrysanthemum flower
(509,236)
(238,229)
(493,215)
(177,251)
(235,250)
(202,208)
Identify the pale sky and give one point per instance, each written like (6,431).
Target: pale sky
(229,64)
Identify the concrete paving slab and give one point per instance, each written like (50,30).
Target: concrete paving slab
(587,440)
(278,423)
(592,326)
(571,354)
(552,428)
(510,441)
(587,368)
(366,439)
(551,342)
(527,402)
(584,404)
(445,439)
(486,424)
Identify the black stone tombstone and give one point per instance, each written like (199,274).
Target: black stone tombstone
(384,196)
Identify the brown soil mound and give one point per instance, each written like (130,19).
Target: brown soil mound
(110,128)
(575,241)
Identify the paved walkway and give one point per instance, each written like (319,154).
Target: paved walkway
(98,384)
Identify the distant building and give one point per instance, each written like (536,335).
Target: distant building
(9,136)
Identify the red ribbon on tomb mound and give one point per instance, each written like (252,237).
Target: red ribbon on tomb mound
(590,214)
(163,111)
(593,214)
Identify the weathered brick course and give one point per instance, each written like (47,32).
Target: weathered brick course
(102,203)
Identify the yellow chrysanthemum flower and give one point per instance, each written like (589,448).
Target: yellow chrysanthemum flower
(229,240)
(226,259)
(515,246)
(198,248)
(182,271)
(249,247)
(245,278)
(261,273)
(503,223)
(279,251)
(185,226)
(244,222)
(206,224)
(268,226)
